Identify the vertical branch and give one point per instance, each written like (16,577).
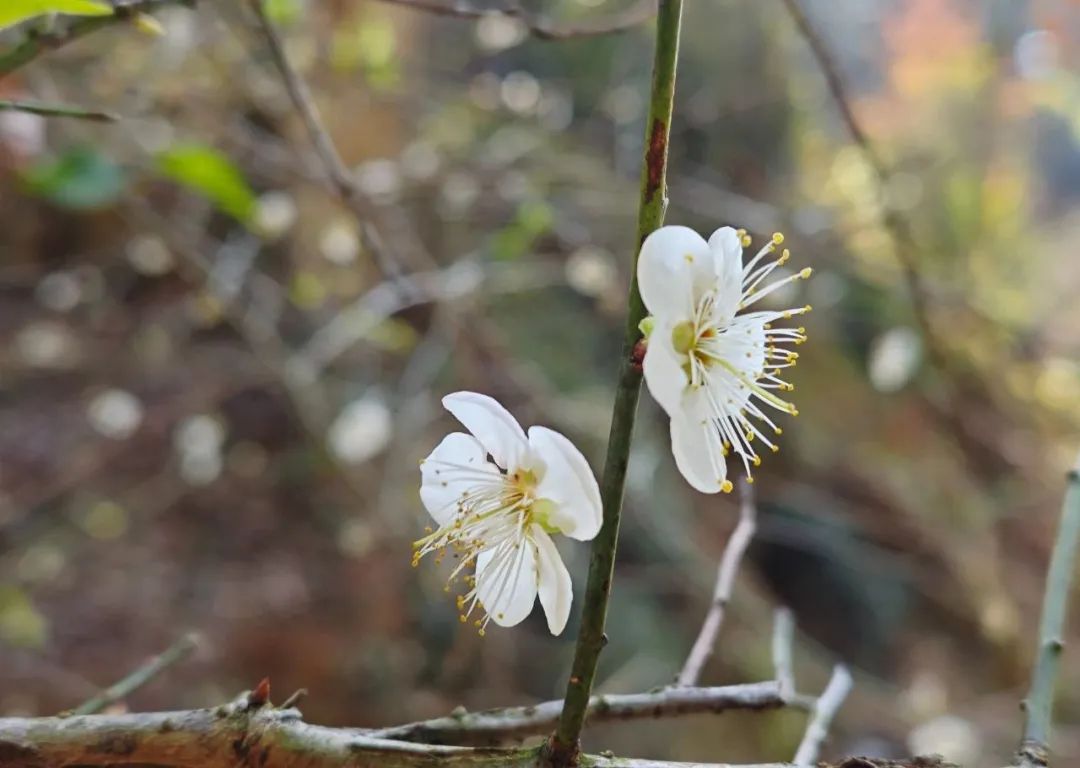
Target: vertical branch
(824,711)
(725,585)
(563,747)
(1038,706)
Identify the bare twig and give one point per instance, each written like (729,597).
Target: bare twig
(175,653)
(783,641)
(1034,749)
(36,43)
(235,734)
(538,27)
(498,726)
(824,710)
(57,110)
(725,585)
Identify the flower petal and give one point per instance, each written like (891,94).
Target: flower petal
(727,255)
(556,589)
(506,580)
(674,265)
(492,425)
(663,369)
(698,448)
(569,483)
(457,466)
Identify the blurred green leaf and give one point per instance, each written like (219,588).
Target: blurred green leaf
(21,624)
(81,178)
(213,175)
(283,11)
(14,11)
(534,218)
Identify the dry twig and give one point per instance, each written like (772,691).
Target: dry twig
(725,585)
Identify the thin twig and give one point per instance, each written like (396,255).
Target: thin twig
(498,726)
(1034,749)
(824,710)
(563,746)
(538,27)
(175,653)
(897,226)
(725,585)
(783,641)
(37,43)
(58,110)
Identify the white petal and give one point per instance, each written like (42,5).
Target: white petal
(506,581)
(492,425)
(457,465)
(698,449)
(567,481)
(663,369)
(674,265)
(556,588)
(727,256)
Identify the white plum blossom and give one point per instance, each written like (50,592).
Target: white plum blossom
(711,369)
(497,496)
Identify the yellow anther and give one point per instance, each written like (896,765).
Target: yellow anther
(481,632)
(777,238)
(727,486)
(806,272)
(746,240)
(757,461)
(463,618)
(775,449)
(778,431)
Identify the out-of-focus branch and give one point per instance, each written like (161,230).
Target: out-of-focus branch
(498,726)
(362,316)
(725,585)
(174,654)
(825,709)
(897,227)
(338,174)
(37,43)
(538,27)
(1034,749)
(57,110)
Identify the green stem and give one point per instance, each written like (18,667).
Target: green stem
(563,746)
(1038,706)
(177,652)
(57,110)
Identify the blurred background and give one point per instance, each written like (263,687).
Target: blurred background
(212,402)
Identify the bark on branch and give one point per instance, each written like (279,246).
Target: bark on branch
(514,723)
(238,735)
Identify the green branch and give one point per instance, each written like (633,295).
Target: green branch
(57,110)
(563,746)
(175,653)
(1038,706)
(37,43)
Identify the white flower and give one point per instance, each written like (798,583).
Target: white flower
(497,496)
(712,370)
